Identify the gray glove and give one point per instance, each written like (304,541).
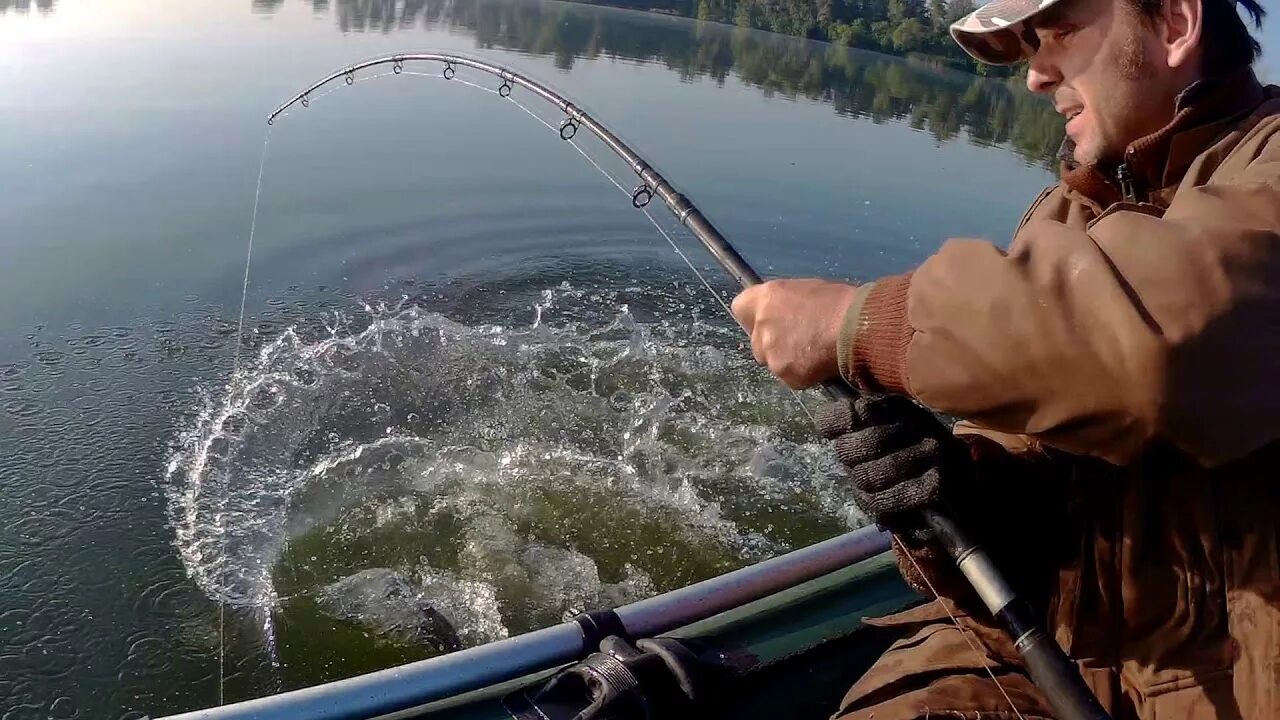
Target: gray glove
(898,455)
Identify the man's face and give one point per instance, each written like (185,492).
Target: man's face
(1104,68)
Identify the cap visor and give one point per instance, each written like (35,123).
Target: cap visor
(993,33)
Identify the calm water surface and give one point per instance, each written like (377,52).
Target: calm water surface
(476,391)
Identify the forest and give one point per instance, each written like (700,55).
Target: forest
(912,28)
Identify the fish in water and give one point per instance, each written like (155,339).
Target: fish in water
(385,600)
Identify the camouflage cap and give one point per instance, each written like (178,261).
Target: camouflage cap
(996,33)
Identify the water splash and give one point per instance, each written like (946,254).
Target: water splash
(589,458)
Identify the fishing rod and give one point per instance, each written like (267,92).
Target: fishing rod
(1050,668)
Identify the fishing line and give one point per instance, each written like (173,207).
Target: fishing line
(305,100)
(235,376)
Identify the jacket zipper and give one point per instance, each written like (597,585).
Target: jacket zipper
(1127,185)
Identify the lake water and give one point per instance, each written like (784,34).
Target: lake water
(476,391)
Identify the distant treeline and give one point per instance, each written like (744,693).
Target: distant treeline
(899,27)
(23,6)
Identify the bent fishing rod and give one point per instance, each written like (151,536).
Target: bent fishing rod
(1050,668)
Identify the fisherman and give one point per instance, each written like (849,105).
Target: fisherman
(1116,373)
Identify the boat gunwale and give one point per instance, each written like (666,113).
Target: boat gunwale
(420,683)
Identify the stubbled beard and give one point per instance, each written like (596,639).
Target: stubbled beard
(1132,67)
(1131,61)
(1104,158)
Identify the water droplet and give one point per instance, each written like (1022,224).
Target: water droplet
(413,417)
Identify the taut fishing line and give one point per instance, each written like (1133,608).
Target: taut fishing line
(652,185)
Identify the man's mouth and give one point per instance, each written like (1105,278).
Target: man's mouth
(1071,114)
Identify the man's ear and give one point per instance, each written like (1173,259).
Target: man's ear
(1181,31)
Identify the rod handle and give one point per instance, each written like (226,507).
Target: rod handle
(1058,678)
(1050,668)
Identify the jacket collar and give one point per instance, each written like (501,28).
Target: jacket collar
(1204,111)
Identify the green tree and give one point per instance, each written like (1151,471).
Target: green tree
(899,11)
(910,36)
(957,9)
(716,10)
(937,15)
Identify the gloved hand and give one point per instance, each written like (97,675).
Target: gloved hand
(901,459)
(899,456)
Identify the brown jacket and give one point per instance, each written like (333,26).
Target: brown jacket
(1131,335)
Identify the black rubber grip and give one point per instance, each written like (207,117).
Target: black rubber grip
(1050,668)
(597,625)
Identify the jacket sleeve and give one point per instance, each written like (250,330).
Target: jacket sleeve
(1098,340)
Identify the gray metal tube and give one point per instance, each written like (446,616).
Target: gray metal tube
(437,678)
(406,686)
(700,601)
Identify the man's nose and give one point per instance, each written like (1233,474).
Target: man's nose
(1042,76)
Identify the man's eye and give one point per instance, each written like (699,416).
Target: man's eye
(1063,33)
